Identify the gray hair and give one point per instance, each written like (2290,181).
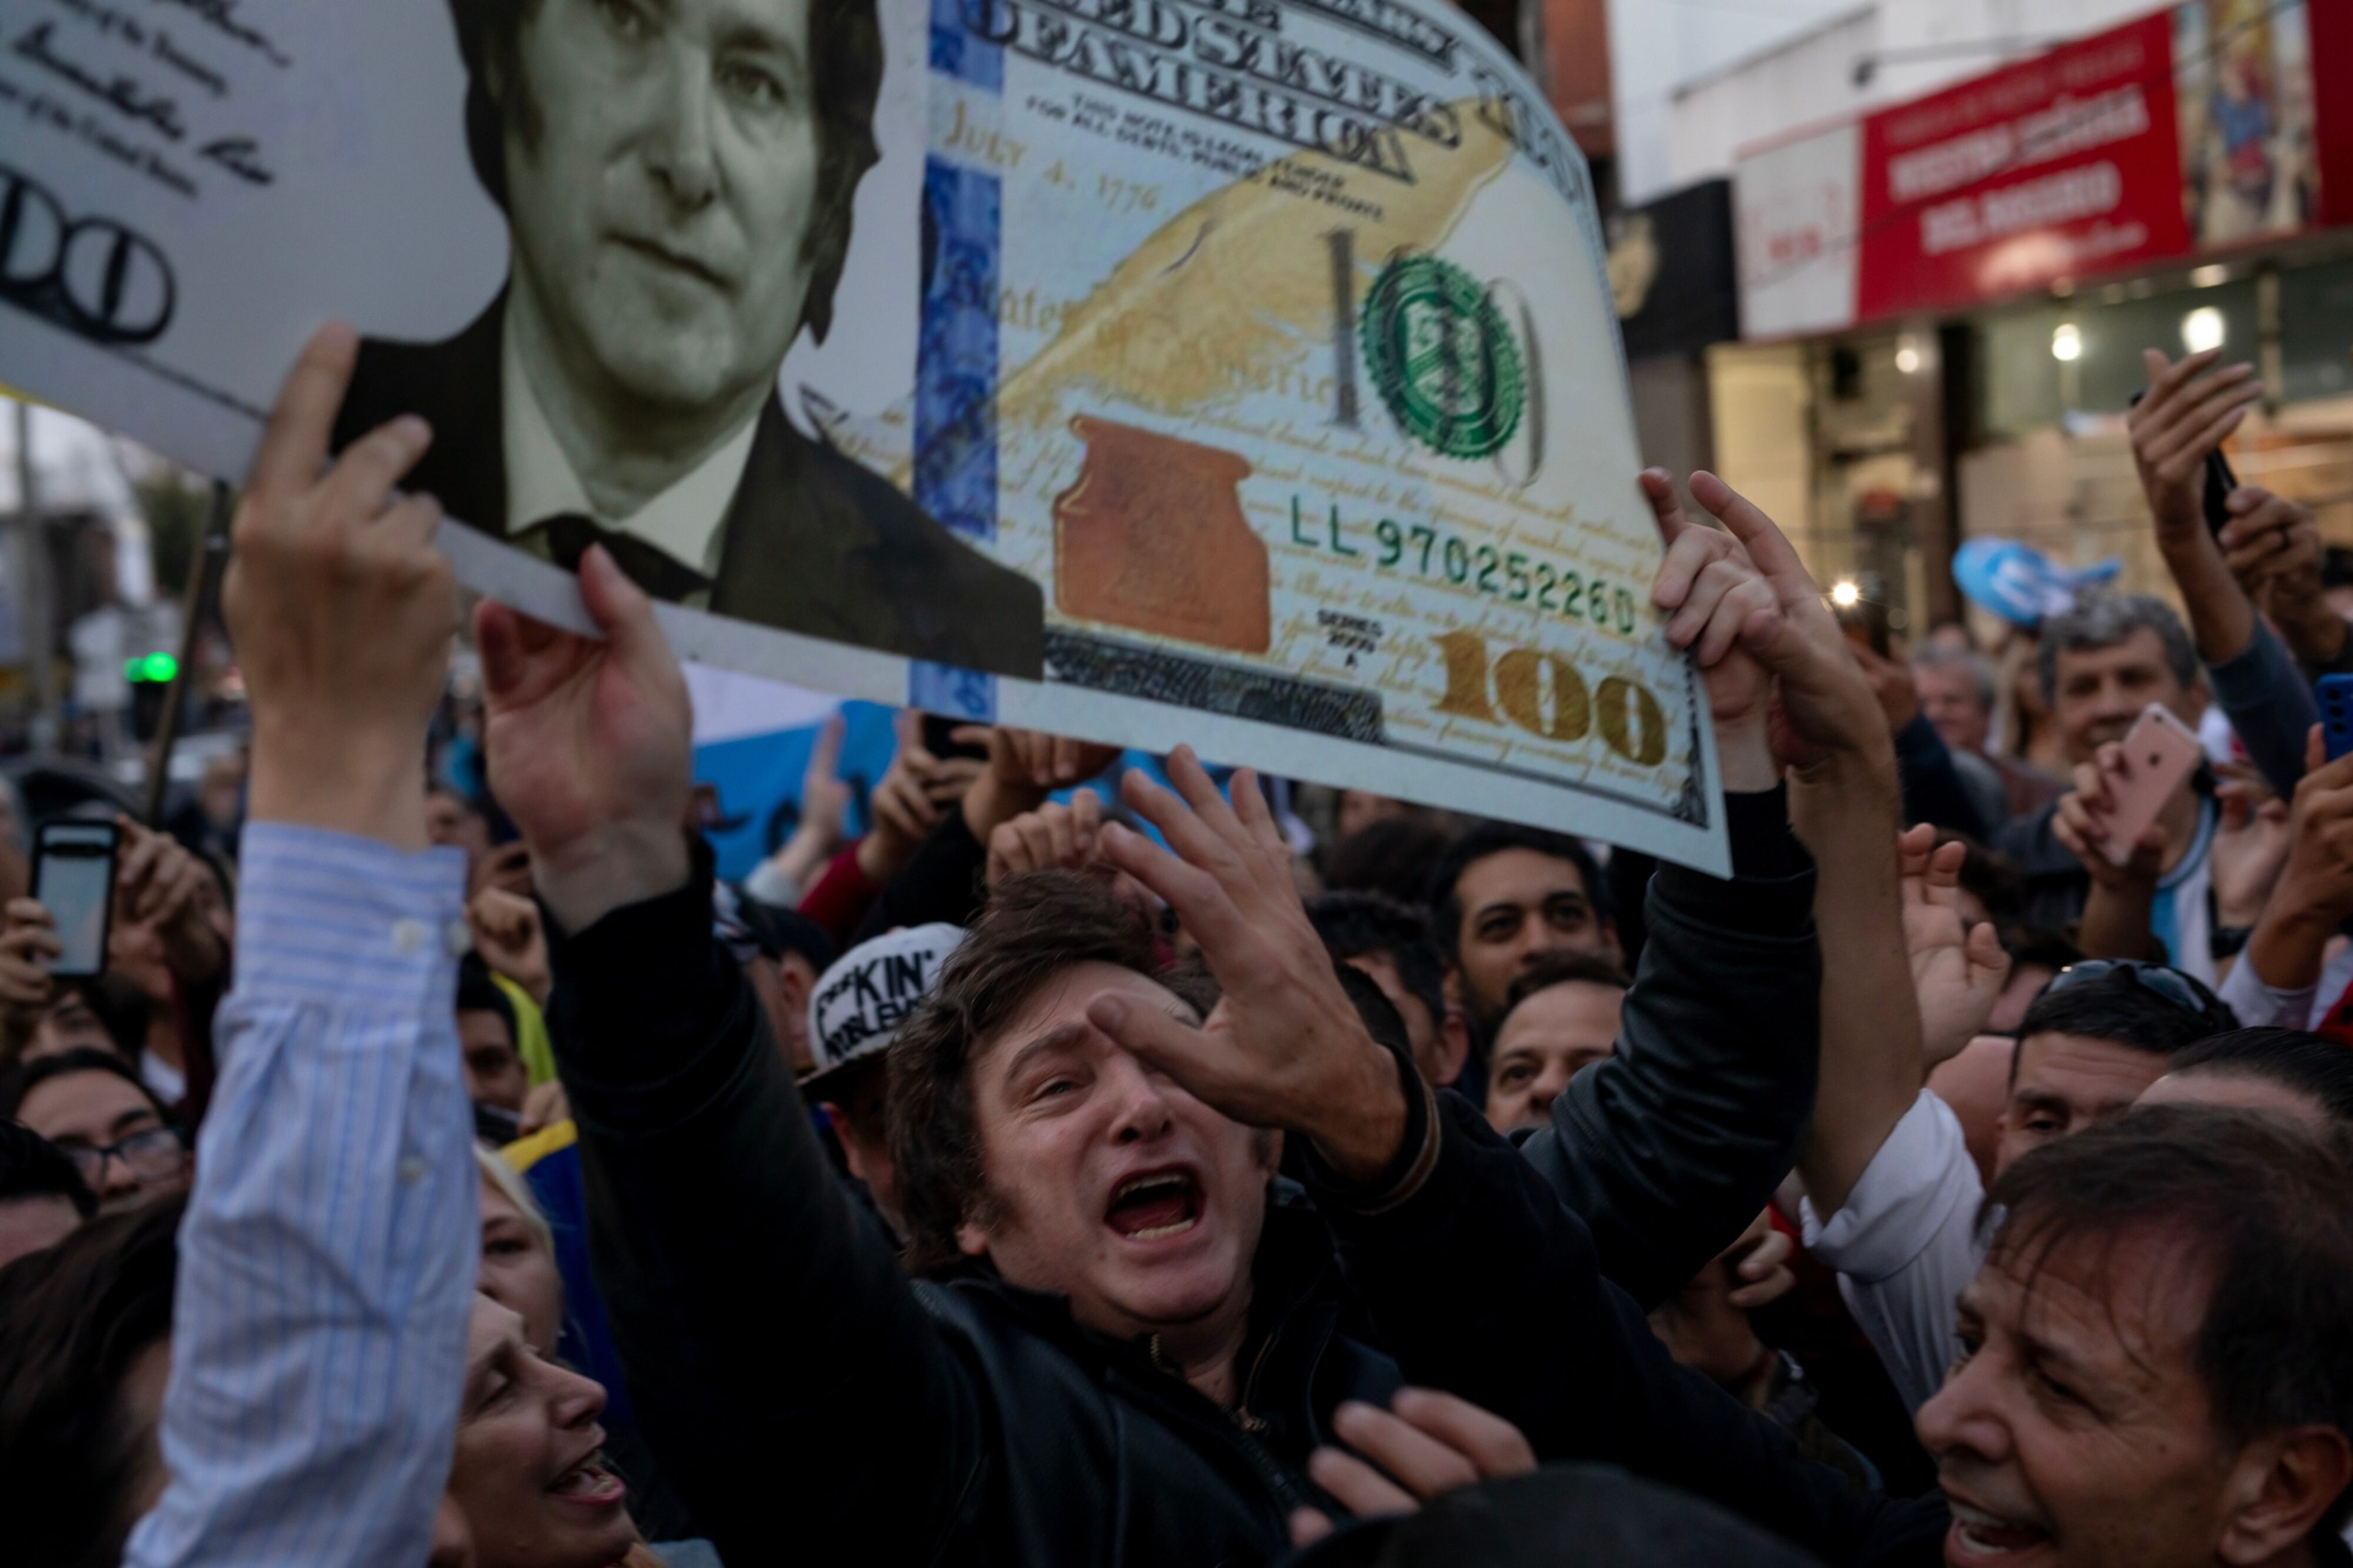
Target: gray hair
(1982,678)
(2103,620)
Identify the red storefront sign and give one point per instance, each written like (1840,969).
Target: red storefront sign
(2062,166)
(2197,128)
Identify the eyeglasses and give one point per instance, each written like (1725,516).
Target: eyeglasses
(150,1155)
(2168,985)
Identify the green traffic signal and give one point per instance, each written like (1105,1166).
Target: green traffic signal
(157,668)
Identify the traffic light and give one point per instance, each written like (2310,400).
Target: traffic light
(150,675)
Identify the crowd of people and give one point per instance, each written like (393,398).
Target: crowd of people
(449,1168)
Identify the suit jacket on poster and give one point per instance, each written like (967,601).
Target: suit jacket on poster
(814,542)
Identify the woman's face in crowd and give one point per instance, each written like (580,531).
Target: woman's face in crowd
(518,1272)
(1107,1183)
(528,1474)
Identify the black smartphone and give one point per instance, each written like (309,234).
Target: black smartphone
(2219,483)
(939,738)
(73,876)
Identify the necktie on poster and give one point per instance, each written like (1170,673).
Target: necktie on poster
(1241,372)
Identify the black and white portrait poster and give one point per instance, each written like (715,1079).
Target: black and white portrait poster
(1240,371)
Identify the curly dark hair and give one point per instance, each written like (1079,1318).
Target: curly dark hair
(844,68)
(1034,928)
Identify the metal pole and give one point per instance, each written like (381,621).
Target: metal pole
(212,548)
(33,590)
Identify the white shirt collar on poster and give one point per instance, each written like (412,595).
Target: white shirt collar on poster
(683,522)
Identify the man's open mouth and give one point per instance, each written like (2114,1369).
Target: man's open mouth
(1977,1535)
(589,1482)
(1155,1204)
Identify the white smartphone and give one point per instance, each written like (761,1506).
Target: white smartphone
(2159,753)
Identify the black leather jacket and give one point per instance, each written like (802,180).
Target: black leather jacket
(814,1405)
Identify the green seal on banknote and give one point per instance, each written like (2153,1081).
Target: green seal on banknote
(1443,357)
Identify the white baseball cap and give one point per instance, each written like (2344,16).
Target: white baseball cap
(861,1001)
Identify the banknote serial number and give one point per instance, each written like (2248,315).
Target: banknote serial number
(1436,554)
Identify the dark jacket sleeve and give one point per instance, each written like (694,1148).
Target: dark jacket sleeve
(2271,707)
(1483,1283)
(943,882)
(1669,1149)
(1933,791)
(773,1347)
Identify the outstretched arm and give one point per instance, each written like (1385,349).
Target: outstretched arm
(764,1325)
(1668,1149)
(2269,546)
(328,1257)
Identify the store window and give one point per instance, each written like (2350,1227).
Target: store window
(2317,331)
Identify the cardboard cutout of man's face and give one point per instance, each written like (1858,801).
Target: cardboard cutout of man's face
(661,166)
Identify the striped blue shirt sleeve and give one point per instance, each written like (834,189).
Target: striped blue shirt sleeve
(328,1259)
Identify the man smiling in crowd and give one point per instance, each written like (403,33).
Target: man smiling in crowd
(2155,1361)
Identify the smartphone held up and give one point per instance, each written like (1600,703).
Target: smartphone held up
(2334,693)
(2158,754)
(73,876)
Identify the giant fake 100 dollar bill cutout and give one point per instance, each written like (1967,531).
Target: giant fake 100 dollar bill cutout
(1232,371)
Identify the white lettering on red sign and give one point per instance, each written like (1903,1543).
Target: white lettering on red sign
(2065,197)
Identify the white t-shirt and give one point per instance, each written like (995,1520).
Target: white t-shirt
(1907,1243)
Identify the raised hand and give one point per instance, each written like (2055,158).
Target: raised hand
(1053,835)
(2273,548)
(2191,406)
(1957,969)
(2250,846)
(1425,1442)
(825,799)
(1285,1046)
(28,945)
(342,611)
(907,804)
(2318,875)
(1710,588)
(1024,767)
(1046,761)
(2271,539)
(590,745)
(1823,708)
(2083,823)
(2314,890)
(511,941)
(159,884)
